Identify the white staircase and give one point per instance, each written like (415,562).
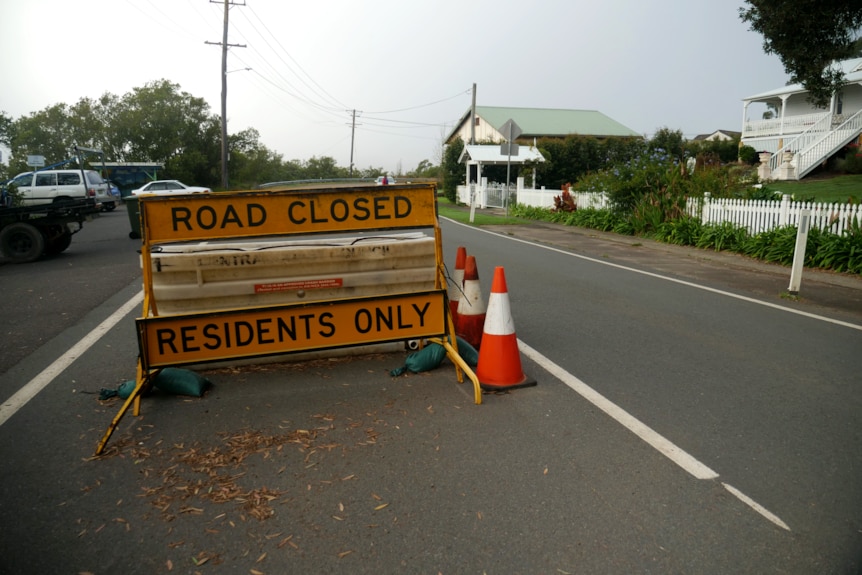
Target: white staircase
(815,144)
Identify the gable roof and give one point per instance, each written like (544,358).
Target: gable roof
(539,122)
(730,134)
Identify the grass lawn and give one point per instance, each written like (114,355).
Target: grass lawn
(462,214)
(837,189)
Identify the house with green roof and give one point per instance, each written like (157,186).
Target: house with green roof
(536,123)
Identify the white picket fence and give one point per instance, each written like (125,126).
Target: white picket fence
(756,216)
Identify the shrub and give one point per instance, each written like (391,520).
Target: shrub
(851,163)
(529,212)
(840,253)
(748,155)
(772,246)
(564,202)
(683,232)
(723,236)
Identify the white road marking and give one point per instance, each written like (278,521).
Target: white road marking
(691,465)
(757,507)
(688,463)
(38,383)
(662,445)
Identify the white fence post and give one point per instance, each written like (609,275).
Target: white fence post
(784,211)
(704,217)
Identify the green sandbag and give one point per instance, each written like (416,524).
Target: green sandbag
(123,392)
(180,381)
(468,353)
(426,359)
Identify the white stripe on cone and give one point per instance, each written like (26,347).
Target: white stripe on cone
(498,320)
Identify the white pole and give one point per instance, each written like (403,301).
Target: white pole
(799,252)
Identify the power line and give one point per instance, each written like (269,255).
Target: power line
(322,89)
(425,105)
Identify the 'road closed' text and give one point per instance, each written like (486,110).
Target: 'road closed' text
(213,216)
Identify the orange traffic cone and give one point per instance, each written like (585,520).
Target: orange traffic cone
(457,282)
(471,307)
(499,366)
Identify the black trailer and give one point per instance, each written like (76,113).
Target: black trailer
(27,233)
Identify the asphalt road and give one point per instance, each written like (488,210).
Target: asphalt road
(334,466)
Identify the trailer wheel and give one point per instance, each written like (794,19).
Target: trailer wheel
(22,242)
(59,244)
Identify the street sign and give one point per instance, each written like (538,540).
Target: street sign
(510,130)
(35,161)
(507,149)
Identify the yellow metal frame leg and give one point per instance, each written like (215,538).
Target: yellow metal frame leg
(141,381)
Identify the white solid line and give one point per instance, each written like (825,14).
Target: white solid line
(670,279)
(664,446)
(668,449)
(38,383)
(756,506)
(691,465)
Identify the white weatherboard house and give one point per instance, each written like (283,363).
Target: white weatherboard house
(803,137)
(488,124)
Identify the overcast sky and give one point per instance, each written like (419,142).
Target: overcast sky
(405,66)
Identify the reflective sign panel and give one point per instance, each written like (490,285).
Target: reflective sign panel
(248,214)
(205,337)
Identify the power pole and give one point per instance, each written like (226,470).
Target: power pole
(473,118)
(224,48)
(352,133)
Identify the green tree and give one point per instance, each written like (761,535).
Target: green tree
(252,163)
(808,35)
(425,169)
(5,128)
(45,133)
(670,141)
(569,159)
(158,121)
(453,171)
(324,168)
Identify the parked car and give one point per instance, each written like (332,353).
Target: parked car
(49,186)
(385,180)
(163,187)
(115,190)
(108,200)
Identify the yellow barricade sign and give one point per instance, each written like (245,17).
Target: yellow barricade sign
(205,337)
(269,330)
(212,216)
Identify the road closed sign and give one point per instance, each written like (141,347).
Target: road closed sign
(217,336)
(250,214)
